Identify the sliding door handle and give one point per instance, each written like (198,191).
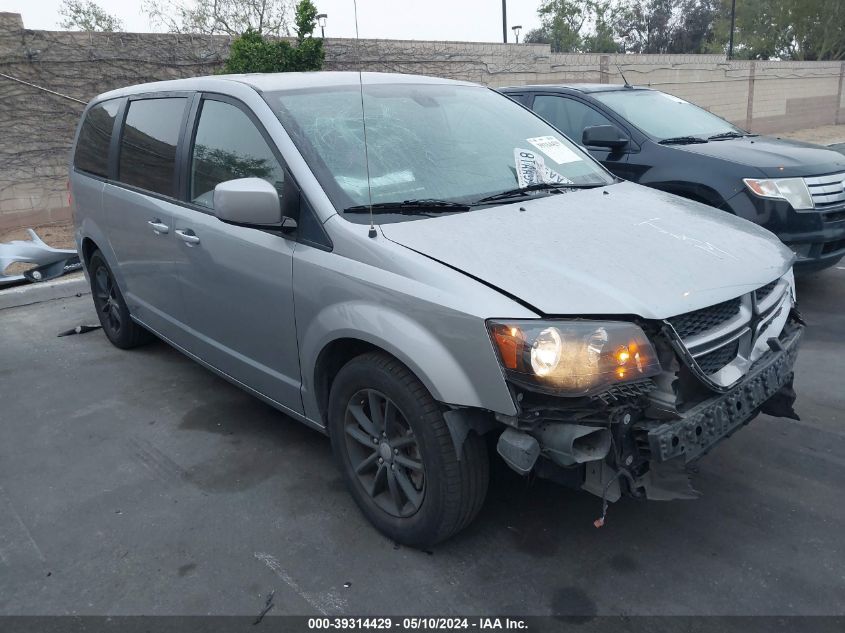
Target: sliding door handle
(159,227)
(188,236)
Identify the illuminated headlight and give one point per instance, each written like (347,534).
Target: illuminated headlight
(793,190)
(573,358)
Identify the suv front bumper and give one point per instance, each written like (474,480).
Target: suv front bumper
(711,421)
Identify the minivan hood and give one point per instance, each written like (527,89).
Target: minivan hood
(621,249)
(775,157)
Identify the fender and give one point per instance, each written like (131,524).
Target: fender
(424,353)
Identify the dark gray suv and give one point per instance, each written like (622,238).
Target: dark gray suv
(796,190)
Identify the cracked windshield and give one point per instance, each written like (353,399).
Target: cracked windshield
(433,147)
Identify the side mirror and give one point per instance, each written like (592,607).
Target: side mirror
(608,136)
(247,201)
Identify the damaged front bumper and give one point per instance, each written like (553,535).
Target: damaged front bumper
(766,387)
(618,446)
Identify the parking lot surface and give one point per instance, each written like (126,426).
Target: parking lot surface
(139,483)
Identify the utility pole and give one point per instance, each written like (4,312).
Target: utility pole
(733,22)
(505,21)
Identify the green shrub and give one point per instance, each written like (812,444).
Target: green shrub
(253,53)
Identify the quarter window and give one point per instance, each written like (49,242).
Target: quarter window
(569,116)
(148,145)
(229,146)
(92,147)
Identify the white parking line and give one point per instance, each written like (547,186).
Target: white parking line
(324,603)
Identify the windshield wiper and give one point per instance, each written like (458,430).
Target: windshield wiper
(724,135)
(682,140)
(524,191)
(412,207)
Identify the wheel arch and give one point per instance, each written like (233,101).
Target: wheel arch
(88,248)
(330,360)
(343,331)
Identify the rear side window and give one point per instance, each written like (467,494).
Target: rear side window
(568,115)
(229,146)
(148,144)
(92,147)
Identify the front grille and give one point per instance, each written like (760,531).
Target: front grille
(827,191)
(727,334)
(699,321)
(834,216)
(765,291)
(713,361)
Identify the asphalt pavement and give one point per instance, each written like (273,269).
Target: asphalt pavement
(139,483)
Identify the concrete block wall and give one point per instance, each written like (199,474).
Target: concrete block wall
(36,127)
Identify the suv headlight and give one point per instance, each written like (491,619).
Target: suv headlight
(572,358)
(793,190)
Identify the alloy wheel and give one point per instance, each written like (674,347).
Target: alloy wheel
(384,453)
(105,291)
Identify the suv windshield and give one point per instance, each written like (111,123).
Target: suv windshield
(436,143)
(664,116)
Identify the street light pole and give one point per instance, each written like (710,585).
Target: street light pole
(516,29)
(321,20)
(733,22)
(505,21)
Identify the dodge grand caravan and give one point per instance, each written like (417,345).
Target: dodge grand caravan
(796,190)
(430,274)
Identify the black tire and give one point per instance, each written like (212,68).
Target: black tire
(118,326)
(451,491)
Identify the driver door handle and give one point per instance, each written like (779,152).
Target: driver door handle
(159,227)
(188,236)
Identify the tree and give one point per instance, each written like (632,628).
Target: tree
(252,52)
(666,26)
(818,28)
(694,28)
(309,49)
(220,17)
(602,38)
(575,26)
(644,26)
(85,15)
(783,29)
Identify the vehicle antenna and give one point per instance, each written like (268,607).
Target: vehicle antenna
(372,232)
(627,85)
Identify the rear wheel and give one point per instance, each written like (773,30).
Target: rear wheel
(120,329)
(397,456)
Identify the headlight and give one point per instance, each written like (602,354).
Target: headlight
(573,358)
(793,190)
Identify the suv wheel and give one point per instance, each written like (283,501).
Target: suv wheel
(120,329)
(397,456)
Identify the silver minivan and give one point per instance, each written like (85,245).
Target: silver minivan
(432,275)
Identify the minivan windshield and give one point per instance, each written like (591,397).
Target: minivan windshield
(663,116)
(441,147)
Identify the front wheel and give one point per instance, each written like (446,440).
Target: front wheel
(392,444)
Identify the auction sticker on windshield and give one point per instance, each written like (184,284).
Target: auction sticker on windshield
(531,169)
(554,149)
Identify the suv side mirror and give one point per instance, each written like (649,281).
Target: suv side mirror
(608,136)
(247,201)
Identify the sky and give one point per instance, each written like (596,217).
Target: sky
(468,20)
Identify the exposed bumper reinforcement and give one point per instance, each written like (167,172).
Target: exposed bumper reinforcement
(706,424)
